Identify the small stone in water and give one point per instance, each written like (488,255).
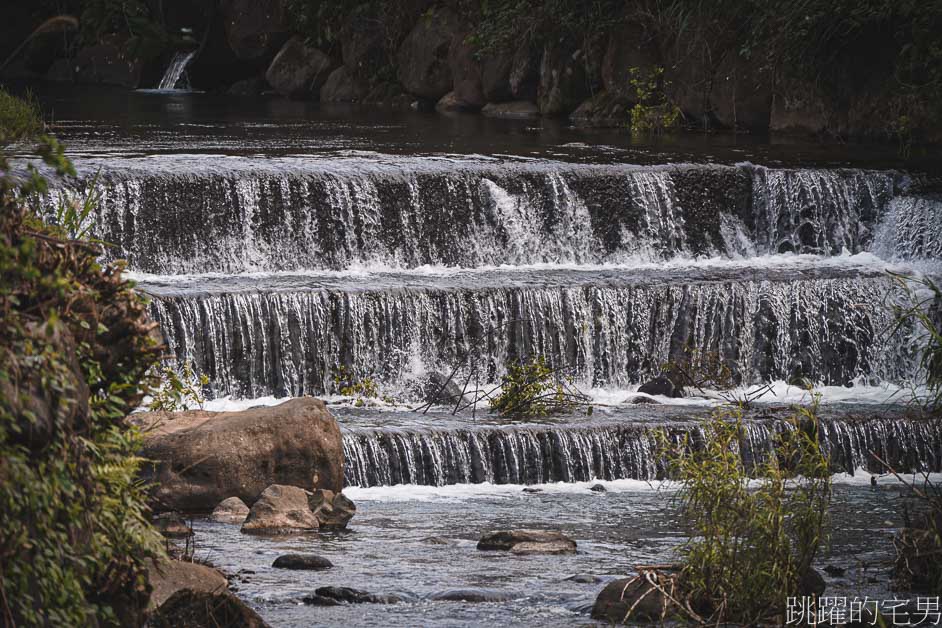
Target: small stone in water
(598,488)
(310,562)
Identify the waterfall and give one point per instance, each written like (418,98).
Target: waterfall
(175,70)
(284,214)
(829,330)
(538,454)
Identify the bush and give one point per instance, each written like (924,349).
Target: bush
(533,389)
(753,540)
(75,345)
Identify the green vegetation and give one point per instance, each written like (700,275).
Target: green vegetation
(922,310)
(753,540)
(176,391)
(360,388)
(75,347)
(653,111)
(534,389)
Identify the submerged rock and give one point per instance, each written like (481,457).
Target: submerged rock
(201,458)
(299,71)
(584,578)
(281,510)
(513,110)
(473,595)
(305,562)
(528,542)
(346,595)
(231,510)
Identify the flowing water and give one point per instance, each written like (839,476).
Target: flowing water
(175,70)
(293,252)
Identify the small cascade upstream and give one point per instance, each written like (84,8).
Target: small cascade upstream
(539,454)
(175,70)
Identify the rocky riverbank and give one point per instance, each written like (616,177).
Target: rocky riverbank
(613,62)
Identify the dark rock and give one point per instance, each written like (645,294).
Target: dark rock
(563,80)
(811,583)
(632,46)
(584,578)
(201,458)
(468,92)
(835,571)
(172,526)
(333,510)
(495,77)
(248,87)
(255,29)
(473,596)
(450,102)
(603,109)
(342,86)
(440,390)
(166,577)
(741,95)
(231,510)
(524,76)
(347,595)
(362,48)
(281,510)
(423,67)
(527,542)
(299,71)
(306,562)
(436,540)
(532,489)
(513,110)
(388,95)
(109,63)
(662,386)
(598,488)
(619,596)
(197,609)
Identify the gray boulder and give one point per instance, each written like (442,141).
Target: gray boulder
(563,80)
(333,510)
(342,86)
(281,510)
(298,70)
(231,510)
(423,67)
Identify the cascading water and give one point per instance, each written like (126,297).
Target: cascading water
(541,454)
(273,275)
(175,70)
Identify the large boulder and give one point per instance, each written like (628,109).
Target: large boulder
(468,90)
(231,510)
(528,542)
(298,70)
(741,96)
(524,78)
(200,458)
(254,29)
(603,109)
(632,46)
(166,577)
(564,83)
(281,510)
(663,386)
(190,608)
(343,86)
(423,66)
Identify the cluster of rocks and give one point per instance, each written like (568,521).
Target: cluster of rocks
(428,60)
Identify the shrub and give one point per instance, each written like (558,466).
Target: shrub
(752,540)
(534,389)
(75,345)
